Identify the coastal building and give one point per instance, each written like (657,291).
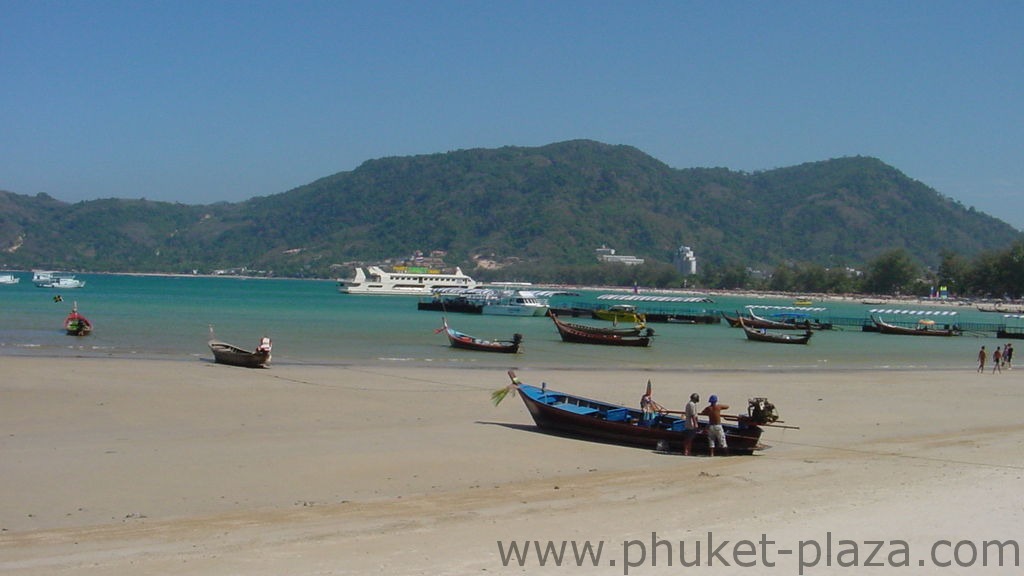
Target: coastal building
(606,254)
(685,261)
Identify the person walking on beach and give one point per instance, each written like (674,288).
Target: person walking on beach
(692,425)
(982,355)
(716,434)
(1008,356)
(997,360)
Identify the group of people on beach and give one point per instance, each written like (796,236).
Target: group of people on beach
(1001,358)
(713,411)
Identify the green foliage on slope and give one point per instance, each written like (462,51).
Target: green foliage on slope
(541,207)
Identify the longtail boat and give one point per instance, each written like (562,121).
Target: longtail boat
(224,353)
(762,335)
(466,342)
(75,324)
(924,328)
(577,416)
(635,330)
(608,336)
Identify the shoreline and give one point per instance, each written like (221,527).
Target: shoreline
(127,466)
(870,299)
(429,364)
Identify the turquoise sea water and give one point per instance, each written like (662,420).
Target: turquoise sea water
(311,323)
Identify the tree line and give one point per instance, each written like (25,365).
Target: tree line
(990,274)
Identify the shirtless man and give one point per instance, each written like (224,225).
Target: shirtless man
(716,434)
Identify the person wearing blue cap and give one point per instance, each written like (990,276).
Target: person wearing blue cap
(716,434)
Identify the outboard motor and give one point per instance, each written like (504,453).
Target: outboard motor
(761,411)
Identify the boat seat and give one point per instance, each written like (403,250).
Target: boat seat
(617,415)
(575,408)
(547,399)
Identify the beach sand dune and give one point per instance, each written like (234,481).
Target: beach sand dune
(113,466)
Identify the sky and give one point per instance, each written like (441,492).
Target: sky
(200,101)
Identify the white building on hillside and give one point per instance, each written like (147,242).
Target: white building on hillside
(685,261)
(606,254)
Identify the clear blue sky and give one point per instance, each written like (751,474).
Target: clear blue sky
(200,101)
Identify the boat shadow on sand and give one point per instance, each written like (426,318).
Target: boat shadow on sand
(534,429)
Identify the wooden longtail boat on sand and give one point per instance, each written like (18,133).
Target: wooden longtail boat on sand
(923,328)
(576,416)
(581,334)
(466,342)
(762,335)
(224,353)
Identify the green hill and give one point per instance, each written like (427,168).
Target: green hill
(545,205)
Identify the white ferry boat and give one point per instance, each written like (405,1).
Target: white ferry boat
(411,281)
(9,279)
(49,279)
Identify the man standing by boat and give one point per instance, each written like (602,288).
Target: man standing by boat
(716,434)
(692,425)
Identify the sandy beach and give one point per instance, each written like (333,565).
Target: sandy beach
(119,466)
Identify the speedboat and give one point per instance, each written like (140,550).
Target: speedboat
(517,303)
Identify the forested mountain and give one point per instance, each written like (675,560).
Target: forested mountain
(546,205)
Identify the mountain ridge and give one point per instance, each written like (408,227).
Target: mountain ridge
(552,203)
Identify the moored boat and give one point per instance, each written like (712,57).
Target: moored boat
(9,279)
(634,330)
(790,323)
(407,281)
(50,279)
(636,336)
(463,300)
(619,313)
(466,342)
(224,353)
(1001,308)
(516,303)
(923,328)
(782,321)
(733,321)
(75,324)
(762,335)
(577,416)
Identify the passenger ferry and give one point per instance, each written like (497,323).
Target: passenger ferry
(411,281)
